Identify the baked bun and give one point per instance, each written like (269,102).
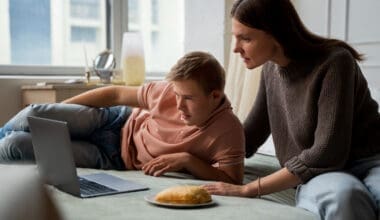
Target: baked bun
(184,195)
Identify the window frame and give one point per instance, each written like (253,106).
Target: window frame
(118,27)
(117,24)
(212,42)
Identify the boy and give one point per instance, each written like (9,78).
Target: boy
(182,124)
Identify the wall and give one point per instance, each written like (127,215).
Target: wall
(207,28)
(10,94)
(352,21)
(5,38)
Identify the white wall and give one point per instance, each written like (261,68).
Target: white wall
(10,94)
(353,21)
(4,38)
(206,27)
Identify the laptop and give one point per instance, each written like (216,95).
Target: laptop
(52,149)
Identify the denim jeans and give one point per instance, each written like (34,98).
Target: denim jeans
(351,194)
(95,134)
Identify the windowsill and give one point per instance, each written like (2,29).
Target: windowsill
(63,78)
(38,77)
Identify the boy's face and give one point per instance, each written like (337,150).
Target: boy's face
(194,105)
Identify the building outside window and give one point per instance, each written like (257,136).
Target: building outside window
(49,33)
(52,33)
(30,33)
(160,22)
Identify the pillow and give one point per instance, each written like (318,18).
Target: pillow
(375,93)
(268,147)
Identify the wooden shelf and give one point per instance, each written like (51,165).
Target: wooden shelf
(52,93)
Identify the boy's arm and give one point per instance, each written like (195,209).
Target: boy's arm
(107,96)
(197,167)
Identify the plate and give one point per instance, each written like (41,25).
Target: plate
(150,199)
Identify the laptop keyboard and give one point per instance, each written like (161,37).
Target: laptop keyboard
(91,188)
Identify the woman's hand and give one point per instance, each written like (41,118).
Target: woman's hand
(278,181)
(227,189)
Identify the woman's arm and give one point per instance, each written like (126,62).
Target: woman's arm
(107,96)
(275,182)
(331,146)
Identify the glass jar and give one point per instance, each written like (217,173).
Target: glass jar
(132,59)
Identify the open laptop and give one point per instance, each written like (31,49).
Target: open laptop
(55,162)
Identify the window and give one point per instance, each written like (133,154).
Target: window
(52,33)
(161,33)
(133,12)
(51,37)
(29,40)
(83,34)
(86,9)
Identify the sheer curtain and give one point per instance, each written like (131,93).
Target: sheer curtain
(241,88)
(241,84)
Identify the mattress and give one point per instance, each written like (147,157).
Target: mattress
(134,205)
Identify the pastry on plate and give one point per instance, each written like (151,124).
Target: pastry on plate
(186,194)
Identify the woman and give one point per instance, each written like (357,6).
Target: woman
(315,102)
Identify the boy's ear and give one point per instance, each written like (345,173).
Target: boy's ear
(216,94)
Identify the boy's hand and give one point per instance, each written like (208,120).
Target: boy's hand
(166,163)
(195,166)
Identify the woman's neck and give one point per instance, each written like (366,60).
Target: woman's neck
(279,57)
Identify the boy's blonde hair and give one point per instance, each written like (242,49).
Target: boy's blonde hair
(201,67)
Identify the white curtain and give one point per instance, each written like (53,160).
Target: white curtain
(241,84)
(241,88)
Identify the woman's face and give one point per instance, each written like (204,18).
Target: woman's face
(255,46)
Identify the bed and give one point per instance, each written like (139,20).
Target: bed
(133,205)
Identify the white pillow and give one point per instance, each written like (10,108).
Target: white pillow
(268,147)
(375,93)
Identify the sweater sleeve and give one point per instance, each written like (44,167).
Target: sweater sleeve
(256,125)
(332,137)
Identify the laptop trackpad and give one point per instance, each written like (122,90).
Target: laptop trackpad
(114,182)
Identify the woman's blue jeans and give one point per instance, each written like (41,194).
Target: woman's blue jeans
(352,194)
(95,134)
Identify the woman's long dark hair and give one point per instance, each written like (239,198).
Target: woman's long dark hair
(280,19)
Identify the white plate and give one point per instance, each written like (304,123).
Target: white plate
(150,199)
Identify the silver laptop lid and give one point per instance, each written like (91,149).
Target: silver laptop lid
(52,150)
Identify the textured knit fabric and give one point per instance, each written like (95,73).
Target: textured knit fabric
(157,129)
(320,113)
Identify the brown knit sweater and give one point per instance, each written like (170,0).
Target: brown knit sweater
(320,113)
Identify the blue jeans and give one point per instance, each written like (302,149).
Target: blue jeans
(350,194)
(95,134)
